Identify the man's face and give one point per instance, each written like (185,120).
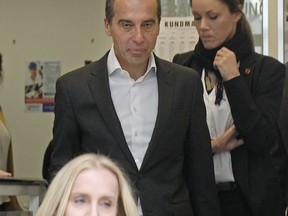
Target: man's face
(134,30)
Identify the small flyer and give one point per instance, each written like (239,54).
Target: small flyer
(40,83)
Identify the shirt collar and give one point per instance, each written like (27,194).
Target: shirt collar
(113,64)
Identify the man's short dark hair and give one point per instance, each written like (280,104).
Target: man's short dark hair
(109,10)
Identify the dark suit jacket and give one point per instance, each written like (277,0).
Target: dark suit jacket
(283,125)
(255,98)
(178,161)
(283,119)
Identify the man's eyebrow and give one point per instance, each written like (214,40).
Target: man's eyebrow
(150,20)
(123,20)
(129,21)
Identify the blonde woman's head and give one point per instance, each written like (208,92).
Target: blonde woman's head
(89,182)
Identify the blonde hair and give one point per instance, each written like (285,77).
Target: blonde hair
(57,195)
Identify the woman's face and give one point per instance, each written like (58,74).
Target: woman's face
(214,22)
(94,192)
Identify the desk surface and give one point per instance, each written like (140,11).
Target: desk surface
(22,186)
(33,188)
(22,181)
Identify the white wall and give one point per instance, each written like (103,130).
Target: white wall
(43,30)
(273,29)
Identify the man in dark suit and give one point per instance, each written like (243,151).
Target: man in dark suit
(283,120)
(145,113)
(283,127)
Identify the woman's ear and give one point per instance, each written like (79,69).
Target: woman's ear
(239,13)
(241,6)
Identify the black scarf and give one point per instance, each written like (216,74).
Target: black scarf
(240,44)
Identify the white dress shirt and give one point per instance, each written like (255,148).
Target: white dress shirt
(219,119)
(136,104)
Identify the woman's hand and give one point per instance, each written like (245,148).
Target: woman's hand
(5,174)
(227,141)
(225,61)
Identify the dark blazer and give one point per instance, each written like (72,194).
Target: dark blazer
(283,125)
(255,98)
(178,162)
(283,120)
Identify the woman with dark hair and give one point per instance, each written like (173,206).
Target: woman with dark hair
(242,94)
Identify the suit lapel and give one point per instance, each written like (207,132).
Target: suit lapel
(165,91)
(99,87)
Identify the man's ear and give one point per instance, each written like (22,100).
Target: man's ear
(107,27)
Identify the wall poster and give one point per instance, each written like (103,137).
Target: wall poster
(40,83)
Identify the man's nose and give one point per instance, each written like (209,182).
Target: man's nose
(138,35)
